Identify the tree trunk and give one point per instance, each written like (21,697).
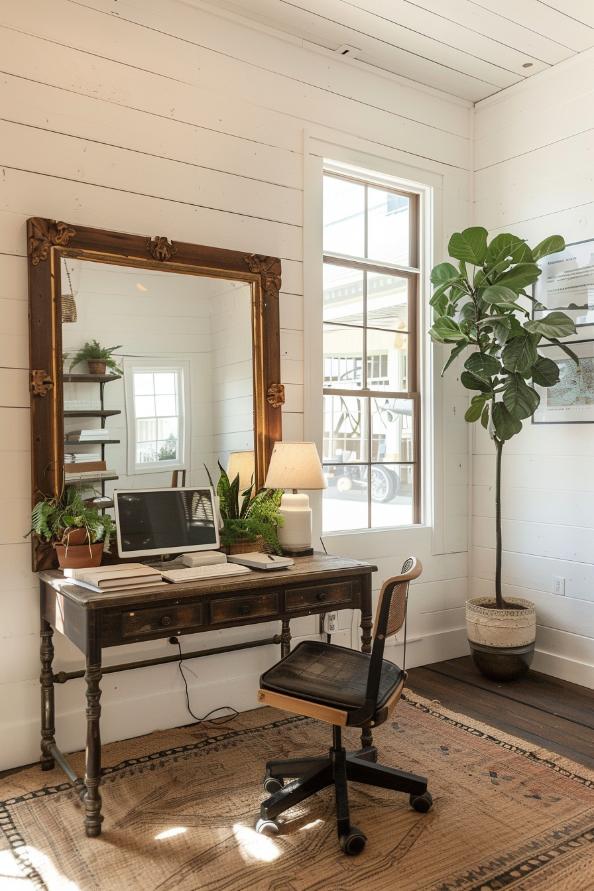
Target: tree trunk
(498,547)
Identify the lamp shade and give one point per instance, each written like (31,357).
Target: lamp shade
(244,464)
(295,465)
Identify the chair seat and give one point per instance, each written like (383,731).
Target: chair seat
(329,675)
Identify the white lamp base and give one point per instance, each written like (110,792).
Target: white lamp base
(295,533)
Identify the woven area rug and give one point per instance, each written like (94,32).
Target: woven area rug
(180,807)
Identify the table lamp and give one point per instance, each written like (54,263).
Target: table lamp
(295,465)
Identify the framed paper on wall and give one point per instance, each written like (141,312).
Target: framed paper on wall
(571,400)
(567,283)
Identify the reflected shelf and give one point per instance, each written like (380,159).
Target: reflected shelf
(79,442)
(94,413)
(90,378)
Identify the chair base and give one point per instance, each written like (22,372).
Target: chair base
(311,775)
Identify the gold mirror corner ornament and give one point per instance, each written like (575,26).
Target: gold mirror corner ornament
(44,234)
(41,382)
(275,395)
(160,248)
(269,270)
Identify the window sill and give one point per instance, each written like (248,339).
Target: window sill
(381,530)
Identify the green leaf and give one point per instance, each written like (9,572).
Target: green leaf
(485,416)
(545,372)
(567,350)
(453,355)
(444,273)
(506,425)
(504,246)
(551,245)
(482,366)
(519,276)
(519,354)
(475,409)
(556,324)
(499,294)
(520,399)
(471,245)
(446,330)
(471,382)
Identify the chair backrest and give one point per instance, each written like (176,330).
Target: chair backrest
(389,619)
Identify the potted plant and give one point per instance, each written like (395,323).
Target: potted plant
(250,519)
(479,306)
(77,532)
(98,358)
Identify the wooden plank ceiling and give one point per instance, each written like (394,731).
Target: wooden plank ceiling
(469,48)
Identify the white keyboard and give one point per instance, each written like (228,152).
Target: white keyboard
(213,571)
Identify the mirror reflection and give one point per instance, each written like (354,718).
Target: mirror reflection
(158,377)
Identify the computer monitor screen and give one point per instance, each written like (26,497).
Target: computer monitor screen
(165,521)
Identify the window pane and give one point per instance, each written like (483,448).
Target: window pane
(343,357)
(344,217)
(167,427)
(165,383)
(167,449)
(345,428)
(387,360)
(146,430)
(392,430)
(344,503)
(166,405)
(146,453)
(391,495)
(144,406)
(143,383)
(388,227)
(387,301)
(343,294)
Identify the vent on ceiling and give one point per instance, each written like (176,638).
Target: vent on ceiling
(348,51)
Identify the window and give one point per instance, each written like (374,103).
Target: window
(156,400)
(371,400)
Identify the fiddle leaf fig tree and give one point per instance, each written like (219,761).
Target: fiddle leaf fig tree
(480,307)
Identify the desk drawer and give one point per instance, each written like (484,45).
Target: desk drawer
(257,606)
(320,595)
(175,618)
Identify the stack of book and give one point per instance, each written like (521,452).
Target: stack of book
(81,457)
(96,469)
(119,577)
(90,434)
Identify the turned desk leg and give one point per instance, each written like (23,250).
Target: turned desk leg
(92,796)
(285,638)
(46,679)
(366,626)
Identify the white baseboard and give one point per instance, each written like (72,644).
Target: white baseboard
(562,667)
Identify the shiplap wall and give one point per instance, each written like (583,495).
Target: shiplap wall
(534,151)
(162,119)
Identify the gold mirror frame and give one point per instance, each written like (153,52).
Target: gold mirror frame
(48,241)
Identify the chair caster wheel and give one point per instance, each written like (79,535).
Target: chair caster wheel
(421,803)
(272,784)
(265,826)
(353,841)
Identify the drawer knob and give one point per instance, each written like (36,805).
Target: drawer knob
(166,621)
(321,596)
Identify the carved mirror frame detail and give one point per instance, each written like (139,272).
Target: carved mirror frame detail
(49,240)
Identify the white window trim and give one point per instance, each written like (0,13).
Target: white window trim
(361,158)
(161,364)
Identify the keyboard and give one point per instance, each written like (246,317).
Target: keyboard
(212,571)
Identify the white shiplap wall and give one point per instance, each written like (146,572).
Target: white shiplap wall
(181,123)
(534,154)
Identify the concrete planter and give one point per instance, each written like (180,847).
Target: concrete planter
(501,640)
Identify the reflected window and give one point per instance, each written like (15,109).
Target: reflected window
(156,407)
(371,400)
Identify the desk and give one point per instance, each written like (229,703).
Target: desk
(314,585)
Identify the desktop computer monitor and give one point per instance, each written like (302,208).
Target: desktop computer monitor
(151,522)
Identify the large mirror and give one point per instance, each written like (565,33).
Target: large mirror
(151,362)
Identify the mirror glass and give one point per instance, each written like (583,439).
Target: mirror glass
(177,392)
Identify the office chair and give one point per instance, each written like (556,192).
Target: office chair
(344,688)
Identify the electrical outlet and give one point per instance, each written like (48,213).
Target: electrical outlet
(331,623)
(558,585)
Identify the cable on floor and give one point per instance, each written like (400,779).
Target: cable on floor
(205,719)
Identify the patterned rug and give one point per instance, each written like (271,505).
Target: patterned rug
(180,807)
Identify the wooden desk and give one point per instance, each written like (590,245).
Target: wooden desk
(314,585)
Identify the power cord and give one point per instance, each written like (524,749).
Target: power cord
(206,719)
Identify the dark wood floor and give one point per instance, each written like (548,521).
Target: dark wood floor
(549,712)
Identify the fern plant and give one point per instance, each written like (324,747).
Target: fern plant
(94,352)
(247,515)
(53,519)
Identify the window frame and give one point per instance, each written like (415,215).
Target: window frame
(180,367)
(412,274)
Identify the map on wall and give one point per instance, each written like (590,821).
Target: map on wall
(567,283)
(571,400)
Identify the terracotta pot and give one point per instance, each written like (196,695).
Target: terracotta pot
(501,640)
(75,537)
(96,366)
(79,556)
(245,547)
